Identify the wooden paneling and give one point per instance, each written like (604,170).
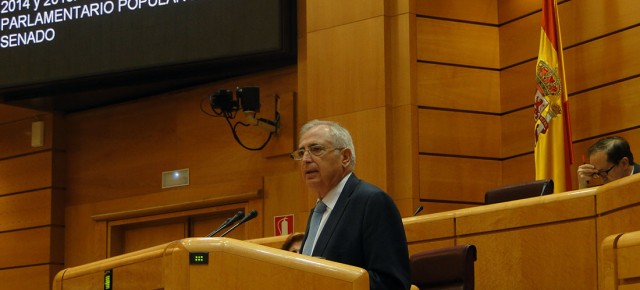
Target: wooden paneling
(404,161)
(601,61)
(141,237)
(12,113)
(518,86)
(518,170)
(26,173)
(526,212)
(440,178)
(345,68)
(519,40)
(511,9)
(459,133)
(31,247)
(17,138)
(30,209)
(587,19)
(517,133)
(606,109)
(458,88)
(579,21)
(451,42)
(29,278)
(401,31)
(484,11)
(286,194)
(331,13)
(527,258)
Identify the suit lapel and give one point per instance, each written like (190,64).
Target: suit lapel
(336,215)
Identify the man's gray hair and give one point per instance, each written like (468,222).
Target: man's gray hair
(339,135)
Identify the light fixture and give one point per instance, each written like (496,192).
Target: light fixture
(223,104)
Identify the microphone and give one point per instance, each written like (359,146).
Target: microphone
(252,214)
(420,208)
(227,223)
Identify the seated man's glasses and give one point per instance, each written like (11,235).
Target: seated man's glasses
(604,173)
(315,150)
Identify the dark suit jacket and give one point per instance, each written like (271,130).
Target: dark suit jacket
(365,230)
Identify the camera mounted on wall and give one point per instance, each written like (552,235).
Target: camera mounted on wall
(224,104)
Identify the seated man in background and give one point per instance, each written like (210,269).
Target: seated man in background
(610,158)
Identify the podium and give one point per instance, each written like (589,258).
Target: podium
(212,263)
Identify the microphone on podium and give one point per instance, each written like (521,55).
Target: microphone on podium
(420,208)
(252,214)
(227,223)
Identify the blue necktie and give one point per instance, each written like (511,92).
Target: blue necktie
(313,227)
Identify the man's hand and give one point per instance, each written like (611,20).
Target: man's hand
(585,174)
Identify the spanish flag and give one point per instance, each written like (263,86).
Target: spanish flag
(553,148)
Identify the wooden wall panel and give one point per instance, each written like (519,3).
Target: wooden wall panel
(29,278)
(517,86)
(401,31)
(606,109)
(404,184)
(551,240)
(604,60)
(517,133)
(145,236)
(451,42)
(331,13)
(286,194)
(483,11)
(31,247)
(460,88)
(588,19)
(519,40)
(457,179)
(509,10)
(579,21)
(518,170)
(345,69)
(457,133)
(26,173)
(10,113)
(30,209)
(18,136)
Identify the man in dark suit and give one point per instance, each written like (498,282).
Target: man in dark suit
(609,159)
(359,223)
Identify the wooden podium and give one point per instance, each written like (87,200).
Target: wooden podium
(212,263)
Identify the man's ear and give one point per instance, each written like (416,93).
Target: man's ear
(346,156)
(624,161)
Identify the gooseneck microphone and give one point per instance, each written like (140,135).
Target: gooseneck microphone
(420,208)
(252,214)
(227,223)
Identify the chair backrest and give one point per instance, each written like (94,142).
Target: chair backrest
(445,268)
(519,191)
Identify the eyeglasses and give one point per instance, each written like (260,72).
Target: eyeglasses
(315,150)
(604,173)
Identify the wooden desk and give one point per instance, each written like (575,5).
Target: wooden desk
(620,263)
(232,264)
